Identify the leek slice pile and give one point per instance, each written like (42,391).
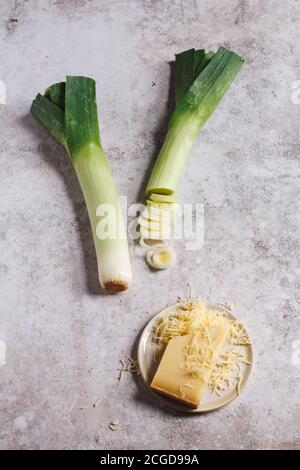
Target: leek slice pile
(201,80)
(68,111)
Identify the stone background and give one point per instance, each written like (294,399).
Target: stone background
(64,339)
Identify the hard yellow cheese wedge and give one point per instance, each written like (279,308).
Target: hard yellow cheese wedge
(187,364)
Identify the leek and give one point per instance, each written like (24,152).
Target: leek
(201,80)
(68,111)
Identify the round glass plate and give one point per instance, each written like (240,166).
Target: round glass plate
(149,355)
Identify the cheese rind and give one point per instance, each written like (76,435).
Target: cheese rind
(187,364)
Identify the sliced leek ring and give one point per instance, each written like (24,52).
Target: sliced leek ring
(158,214)
(164,206)
(163,234)
(161,258)
(162,198)
(148,243)
(149,224)
(152,213)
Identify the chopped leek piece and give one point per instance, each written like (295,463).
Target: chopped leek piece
(69,113)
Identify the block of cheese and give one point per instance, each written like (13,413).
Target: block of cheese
(186,365)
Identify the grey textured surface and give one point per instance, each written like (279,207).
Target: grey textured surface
(63,338)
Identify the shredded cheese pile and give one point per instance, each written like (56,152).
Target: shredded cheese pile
(226,374)
(193,316)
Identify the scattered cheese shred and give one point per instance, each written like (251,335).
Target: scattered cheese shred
(114,425)
(128,364)
(193,316)
(95,404)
